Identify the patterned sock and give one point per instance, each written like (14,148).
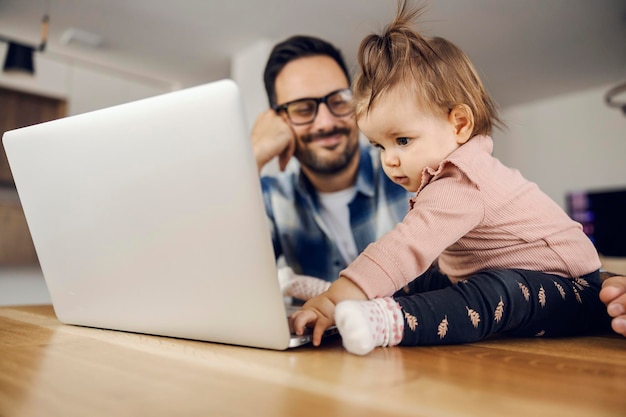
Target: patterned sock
(302,287)
(364,325)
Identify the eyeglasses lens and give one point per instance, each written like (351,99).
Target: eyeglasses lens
(304,111)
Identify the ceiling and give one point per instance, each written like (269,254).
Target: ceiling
(525,50)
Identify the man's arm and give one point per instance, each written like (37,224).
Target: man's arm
(272,136)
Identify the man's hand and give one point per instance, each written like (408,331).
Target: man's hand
(319,312)
(613,294)
(272,136)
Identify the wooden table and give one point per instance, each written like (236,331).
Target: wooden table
(51,369)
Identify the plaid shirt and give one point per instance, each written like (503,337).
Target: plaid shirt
(299,233)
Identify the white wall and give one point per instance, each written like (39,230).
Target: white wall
(566,143)
(246,68)
(85,87)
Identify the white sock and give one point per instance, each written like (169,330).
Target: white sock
(302,287)
(364,325)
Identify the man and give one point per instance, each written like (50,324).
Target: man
(335,199)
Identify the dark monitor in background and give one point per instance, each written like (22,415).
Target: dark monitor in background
(603,217)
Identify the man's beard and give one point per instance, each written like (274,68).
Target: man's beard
(320,165)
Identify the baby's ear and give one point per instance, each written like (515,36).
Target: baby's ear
(462,118)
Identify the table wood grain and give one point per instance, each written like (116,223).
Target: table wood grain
(51,369)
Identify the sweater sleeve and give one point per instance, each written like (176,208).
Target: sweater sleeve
(444,210)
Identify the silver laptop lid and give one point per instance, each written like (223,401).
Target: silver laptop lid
(148,217)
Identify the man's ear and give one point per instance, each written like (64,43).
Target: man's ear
(462,119)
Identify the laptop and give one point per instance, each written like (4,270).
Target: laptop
(148,217)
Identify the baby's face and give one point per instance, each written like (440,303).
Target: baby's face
(408,137)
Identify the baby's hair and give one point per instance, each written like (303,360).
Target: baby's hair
(437,71)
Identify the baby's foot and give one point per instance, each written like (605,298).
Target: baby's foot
(364,325)
(613,294)
(302,287)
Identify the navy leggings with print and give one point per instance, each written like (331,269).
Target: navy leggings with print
(510,302)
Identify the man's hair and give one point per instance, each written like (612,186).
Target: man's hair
(294,48)
(438,72)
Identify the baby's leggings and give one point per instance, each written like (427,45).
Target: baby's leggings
(511,302)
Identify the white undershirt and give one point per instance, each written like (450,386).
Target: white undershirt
(336,215)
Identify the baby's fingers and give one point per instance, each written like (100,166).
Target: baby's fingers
(321,325)
(300,319)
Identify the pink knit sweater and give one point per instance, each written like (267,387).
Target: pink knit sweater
(472,214)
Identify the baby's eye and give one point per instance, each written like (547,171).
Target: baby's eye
(403,141)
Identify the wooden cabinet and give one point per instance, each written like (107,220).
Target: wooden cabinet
(16,245)
(19,109)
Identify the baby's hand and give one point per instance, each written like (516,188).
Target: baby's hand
(318,312)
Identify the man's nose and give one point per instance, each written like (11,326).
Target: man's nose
(324,116)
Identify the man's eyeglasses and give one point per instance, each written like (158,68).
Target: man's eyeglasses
(304,110)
